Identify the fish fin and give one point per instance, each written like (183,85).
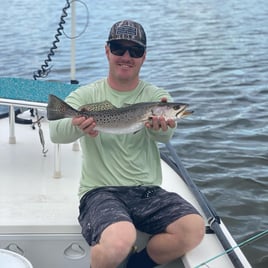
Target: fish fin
(98,106)
(58,109)
(136,131)
(126,105)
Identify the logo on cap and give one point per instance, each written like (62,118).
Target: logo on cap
(128,30)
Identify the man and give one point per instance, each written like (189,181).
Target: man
(121,174)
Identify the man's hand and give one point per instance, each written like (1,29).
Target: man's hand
(159,122)
(87,125)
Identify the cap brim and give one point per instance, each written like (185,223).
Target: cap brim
(130,40)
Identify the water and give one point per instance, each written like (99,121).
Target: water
(210,54)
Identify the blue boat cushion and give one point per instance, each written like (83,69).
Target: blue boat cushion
(33,90)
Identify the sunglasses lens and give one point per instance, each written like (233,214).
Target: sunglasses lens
(117,49)
(120,50)
(136,51)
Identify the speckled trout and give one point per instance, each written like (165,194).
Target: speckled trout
(109,119)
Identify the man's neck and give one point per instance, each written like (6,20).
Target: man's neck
(122,85)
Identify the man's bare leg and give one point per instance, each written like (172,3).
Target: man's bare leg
(181,236)
(114,246)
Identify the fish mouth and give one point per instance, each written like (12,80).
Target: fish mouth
(183,112)
(187,112)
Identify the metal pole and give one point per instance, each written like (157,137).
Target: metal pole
(73,44)
(57,162)
(12,137)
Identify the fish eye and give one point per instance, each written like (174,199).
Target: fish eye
(177,107)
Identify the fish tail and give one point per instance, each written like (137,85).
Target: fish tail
(58,109)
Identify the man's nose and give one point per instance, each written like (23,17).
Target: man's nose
(126,54)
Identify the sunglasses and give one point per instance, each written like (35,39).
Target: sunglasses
(120,50)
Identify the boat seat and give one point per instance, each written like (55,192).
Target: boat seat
(20,92)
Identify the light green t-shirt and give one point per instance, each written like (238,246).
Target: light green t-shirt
(114,160)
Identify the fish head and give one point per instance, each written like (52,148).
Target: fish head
(171,110)
(180,110)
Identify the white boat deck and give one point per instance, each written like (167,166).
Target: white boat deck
(32,201)
(35,203)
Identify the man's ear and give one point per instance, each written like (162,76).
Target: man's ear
(107,50)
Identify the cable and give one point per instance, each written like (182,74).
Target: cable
(45,69)
(244,243)
(86,24)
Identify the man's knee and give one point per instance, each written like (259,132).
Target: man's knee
(192,230)
(188,230)
(116,242)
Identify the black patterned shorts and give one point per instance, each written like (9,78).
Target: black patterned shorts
(150,209)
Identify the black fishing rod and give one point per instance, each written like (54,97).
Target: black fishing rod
(213,219)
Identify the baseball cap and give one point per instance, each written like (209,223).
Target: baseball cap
(128,30)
